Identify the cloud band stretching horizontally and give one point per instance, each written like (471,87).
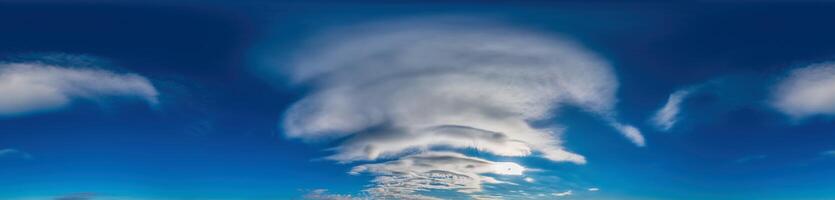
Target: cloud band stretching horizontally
(404,177)
(31,87)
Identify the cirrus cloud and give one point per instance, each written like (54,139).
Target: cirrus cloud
(14,153)
(668,115)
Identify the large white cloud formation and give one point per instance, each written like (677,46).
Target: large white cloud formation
(31,87)
(397,88)
(807,91)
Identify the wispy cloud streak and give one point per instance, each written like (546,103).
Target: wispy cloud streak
(8,153)
(666,117)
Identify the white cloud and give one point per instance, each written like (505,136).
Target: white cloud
(32,87)
(563,194)
(14,153)
(667,116)
(830,153)
(397,88)
(807,91)
(630,132)
(394,89)
(322,194)
(409,175)
(594,189)
(529,179)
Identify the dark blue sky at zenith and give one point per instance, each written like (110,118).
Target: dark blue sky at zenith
(246,100)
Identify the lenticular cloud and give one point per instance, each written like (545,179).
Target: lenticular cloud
(31,87)
(396,89)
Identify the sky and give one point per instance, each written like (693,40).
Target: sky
(337,100)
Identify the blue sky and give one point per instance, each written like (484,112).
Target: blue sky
(378,100)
